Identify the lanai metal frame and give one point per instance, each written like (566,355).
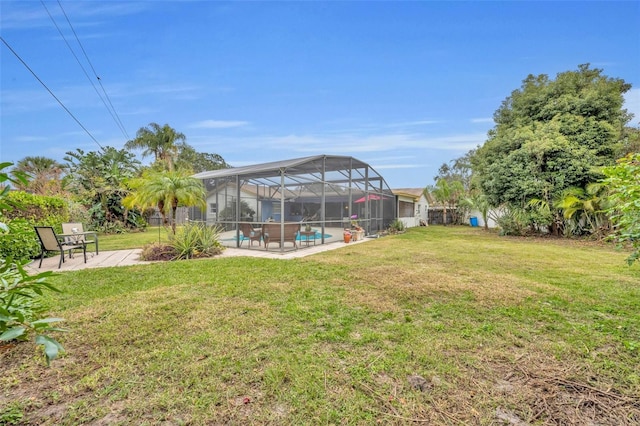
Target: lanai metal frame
(320,190)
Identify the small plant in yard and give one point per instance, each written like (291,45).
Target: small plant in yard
(19,307)
(396,226)
(194,240)
(197,240)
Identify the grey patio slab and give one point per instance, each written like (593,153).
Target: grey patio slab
(132,257)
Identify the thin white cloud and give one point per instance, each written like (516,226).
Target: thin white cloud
(354,143)
(217,124)
(16,15)
(30,139)
(399,166)
(414,123)
(482,120)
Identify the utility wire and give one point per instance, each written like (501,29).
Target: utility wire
(49,90)
(85,72)
(94,71)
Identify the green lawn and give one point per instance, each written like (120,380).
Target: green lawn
(134,239)
(434,326)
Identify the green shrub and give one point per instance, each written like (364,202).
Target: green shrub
(19,308)
(20,242)
(26,211)
(511,225)
(19,301)
(396,226)
(197,240)
(38,209)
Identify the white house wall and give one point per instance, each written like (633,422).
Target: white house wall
(476,213)
(420,210)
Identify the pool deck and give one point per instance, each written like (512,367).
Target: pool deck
(116,258)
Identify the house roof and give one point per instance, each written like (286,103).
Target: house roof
(414,193)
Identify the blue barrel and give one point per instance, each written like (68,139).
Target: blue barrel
(473,221)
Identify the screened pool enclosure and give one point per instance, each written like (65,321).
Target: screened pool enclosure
(324,193)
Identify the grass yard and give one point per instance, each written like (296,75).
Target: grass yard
(435,326)
(152,234)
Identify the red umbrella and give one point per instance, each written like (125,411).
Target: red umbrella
(368,197)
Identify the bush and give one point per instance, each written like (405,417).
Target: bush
(396,226)
(19,308)
(20,242)
(511,225)
(19,302)
(37,209)
(158,251)
(197,240)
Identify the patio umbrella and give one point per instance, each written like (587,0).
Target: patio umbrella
(368,197)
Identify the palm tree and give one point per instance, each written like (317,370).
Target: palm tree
(446,193)
(45,175)
(163,142)
(167,191)
(584,209)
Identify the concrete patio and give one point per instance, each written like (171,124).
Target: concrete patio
(108,259)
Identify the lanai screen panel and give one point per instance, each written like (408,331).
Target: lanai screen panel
(325,191)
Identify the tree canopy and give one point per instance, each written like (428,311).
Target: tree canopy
(623,180)
(167,191)
(163,142)
(551,135)
(45,174)
(97,178)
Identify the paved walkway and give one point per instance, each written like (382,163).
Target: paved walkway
(132,257)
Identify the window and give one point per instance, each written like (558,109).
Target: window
(405,209)
(213,208)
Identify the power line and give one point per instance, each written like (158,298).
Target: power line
(49,90)
(85,72)
(94,71)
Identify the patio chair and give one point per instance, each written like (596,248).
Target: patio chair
(49,241)
(249,233)
(74,233)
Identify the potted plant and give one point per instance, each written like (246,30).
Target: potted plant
(347,235)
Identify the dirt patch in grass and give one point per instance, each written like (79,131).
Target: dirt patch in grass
(556,393)
(532,389)
(433,282)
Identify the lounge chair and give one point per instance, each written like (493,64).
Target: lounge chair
(49,241)
(74,233)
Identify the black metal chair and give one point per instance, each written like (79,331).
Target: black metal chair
(49,241)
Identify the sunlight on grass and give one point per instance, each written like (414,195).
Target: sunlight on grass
(341,336)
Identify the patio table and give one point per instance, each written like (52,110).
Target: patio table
(75,237)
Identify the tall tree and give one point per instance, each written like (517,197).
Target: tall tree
(448,194)
(45,173)
(97,178)
(163,142)
(459,169)
(190,159)
(551,135)
(167,191)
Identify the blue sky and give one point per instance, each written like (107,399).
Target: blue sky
(404,86)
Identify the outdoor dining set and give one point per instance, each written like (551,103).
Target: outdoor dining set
(73,237)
